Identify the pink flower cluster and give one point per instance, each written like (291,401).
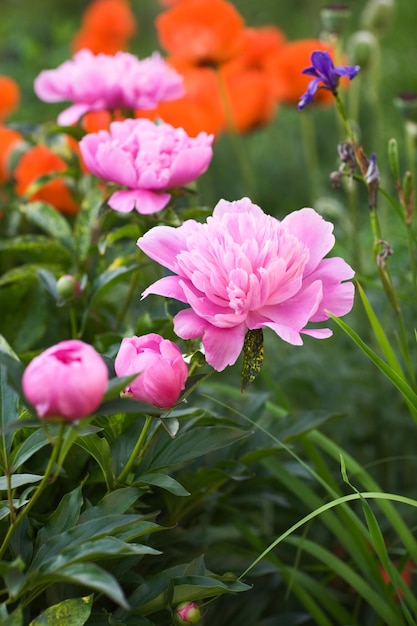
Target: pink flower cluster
(243,269)
(68,380)
(160,365)
(106,82)
(147,158)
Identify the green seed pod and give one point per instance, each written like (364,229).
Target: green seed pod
(378,15)
(393,158)
(406,104)
(363,49)
(334,18)
(408,187)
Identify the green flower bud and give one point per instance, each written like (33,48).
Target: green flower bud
(187,613)
(334,18)
(408,187)
(393,158)
(378,15)
(406,104)
(68,287)
(363,49)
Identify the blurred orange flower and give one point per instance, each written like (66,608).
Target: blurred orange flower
(201,32)
(406,575)
(107,26)
(284,68)
(9,96)
(9,140)
(40,161)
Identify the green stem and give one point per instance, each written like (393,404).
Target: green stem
(236,140)
(310,153)
(130,294)
(135,452)
(73,322)
(56,446)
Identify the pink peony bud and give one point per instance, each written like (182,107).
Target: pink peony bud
(187,613)
(161,367)
(67,380)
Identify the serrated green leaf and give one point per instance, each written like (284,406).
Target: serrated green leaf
(50,220)
(253,356)
(72,612)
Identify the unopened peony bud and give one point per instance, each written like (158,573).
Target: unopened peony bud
(160,365)
(68,287)
(66,381)
(187,613)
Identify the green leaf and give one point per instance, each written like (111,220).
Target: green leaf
(253,357)
(163,481)
(127,231)
(86,220)
(398,381)
(106,280)
(14,368)
(12,573)
(51,221)
(99,448)
(8,414)
(17,480)
(11,619)
(72,612)
(27,448)
(91,576)
(195,443)
(36,248)
(63,518)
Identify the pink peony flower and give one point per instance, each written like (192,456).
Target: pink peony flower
(67,380)
(102,81)
(148,158)
(243,269)
(162,369)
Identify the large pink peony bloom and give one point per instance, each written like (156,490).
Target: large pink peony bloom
(106,82)
(148,158)
(161,367)
(243,270)
(67,380)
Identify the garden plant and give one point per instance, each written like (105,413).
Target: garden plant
(208,286)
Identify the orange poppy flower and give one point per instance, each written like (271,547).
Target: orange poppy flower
(107,26)
(257,45)
(247,101)
(9,140)
(200,109)
(284,68)
(201,32)
(9,96)
(39,161)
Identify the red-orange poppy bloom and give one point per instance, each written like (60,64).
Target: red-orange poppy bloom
(257,45)
(9,140)
(284,67)
(40,161)
(200,109)
(246,99)
(9,96)
(201,32)
(107,26)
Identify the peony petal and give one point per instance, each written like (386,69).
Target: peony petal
(164,243)
(189,165)
(317,234)
(148,201)
(222,346)
(169,286)
(72,114)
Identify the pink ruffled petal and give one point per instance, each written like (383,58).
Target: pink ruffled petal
(189,165)
(169,286)
(317,234)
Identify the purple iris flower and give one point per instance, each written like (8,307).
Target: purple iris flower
(326,76)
